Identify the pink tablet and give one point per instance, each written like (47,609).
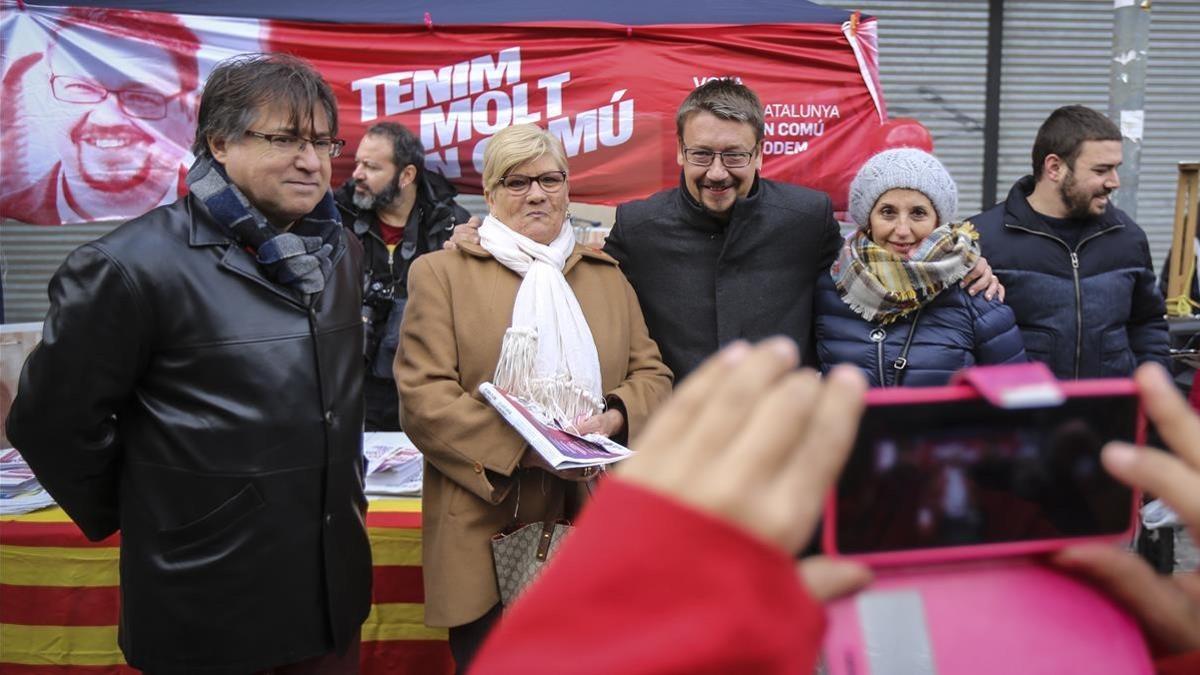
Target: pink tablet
(948,493)
(940,474)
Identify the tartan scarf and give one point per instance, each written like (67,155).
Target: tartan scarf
(300,262)
(883,287)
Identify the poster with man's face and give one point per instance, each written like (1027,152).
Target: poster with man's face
(100,108)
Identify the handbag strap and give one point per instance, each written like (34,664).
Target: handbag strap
(544,541)
(555,504)
(901,362)
(561,499)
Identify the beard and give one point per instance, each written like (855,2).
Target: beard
(1077,201)
(373,201)
(721,204)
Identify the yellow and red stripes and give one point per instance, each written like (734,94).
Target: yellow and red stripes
(59,598)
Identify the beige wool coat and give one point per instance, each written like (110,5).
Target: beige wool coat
(459,306)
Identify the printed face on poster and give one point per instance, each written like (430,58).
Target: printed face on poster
(103,109)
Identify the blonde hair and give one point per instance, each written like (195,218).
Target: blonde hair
(515,145)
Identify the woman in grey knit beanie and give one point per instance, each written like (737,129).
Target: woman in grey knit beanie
(892,303)
(906,169)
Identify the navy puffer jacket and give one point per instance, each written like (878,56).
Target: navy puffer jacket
(953,331)
(1091,311)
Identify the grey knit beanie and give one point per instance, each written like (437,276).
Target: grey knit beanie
(906,168)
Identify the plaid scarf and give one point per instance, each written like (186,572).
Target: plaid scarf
(300,262)
(881,286)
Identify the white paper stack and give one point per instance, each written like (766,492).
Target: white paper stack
(20,491)
(394,465)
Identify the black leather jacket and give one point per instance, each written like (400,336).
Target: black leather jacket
(214,418)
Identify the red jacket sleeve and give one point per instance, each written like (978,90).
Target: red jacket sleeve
(649,585)
(1180,664)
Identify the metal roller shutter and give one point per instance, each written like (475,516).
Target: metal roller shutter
(933,67)
(1172,115)
(1056,53)
(29,254)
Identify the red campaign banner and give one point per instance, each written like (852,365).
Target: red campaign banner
(610,93)
(100,105)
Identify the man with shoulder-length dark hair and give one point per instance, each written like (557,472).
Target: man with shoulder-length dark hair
(1077,268)
(219,429)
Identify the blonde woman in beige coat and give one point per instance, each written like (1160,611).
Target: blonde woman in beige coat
(465,324)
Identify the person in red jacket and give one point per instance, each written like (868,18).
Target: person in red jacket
(687,562)
(684,561)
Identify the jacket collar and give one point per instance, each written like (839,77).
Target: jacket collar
(699,217)
(437,192)
(205,232)
(581,252)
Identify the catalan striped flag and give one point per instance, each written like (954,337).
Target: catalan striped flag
(59,598)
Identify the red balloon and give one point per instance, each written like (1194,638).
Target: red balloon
(903,132)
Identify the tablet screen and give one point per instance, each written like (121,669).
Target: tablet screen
(961,473)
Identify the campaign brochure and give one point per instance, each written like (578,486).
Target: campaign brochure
(561,448)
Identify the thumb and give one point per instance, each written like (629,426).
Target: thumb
(1165,609)
(828,579)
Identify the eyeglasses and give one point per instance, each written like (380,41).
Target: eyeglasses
(730,160)
(141,103)
(551,181)
(292,143)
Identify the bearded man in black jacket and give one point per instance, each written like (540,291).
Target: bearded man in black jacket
(398,210)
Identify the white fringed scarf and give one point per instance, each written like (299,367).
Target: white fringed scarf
(548,355)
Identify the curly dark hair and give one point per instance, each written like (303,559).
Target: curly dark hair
(406,147)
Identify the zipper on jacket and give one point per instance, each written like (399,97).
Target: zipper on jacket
(1075,276)
(877,336)
(1078,311)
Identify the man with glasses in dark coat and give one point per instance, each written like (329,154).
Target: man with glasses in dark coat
(198,387)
